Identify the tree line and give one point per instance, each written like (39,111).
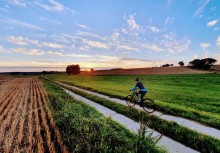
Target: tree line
(204,64)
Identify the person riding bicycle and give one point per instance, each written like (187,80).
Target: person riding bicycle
(142,91)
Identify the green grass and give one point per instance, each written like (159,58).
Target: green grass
(193,139)
(193,96)
(84,129)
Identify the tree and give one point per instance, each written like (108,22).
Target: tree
(181,63)
(73,69)
(91,69)
(167,65)
(202,63)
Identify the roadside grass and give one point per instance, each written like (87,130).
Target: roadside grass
(193,139)
(192,96)
(84,129)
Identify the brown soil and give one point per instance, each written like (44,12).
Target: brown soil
(154,70)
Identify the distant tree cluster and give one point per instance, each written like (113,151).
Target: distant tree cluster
(73,69)
(167,65)
(181,63)
(202,63)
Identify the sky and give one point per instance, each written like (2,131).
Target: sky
(37,35)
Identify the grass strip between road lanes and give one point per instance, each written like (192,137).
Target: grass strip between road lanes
(190,138)
(84,129)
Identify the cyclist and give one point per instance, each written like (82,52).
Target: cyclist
(142,91)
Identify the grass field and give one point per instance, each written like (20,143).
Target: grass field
(193,96)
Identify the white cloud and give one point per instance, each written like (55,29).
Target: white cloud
(2,49)
(96,44)
(204,45)
(195,56)
(52,45)
(132,23)
(169,20)
(125,47)
(54,7)
(67,55)
(154,29)
(82,26)
(49,20)
(32,52)
(17,40)
(212,23)
(133,28)
(23,41)
(23,24)
(218,42)
(153,47)
(173,44)
(216,29)
(201,8)
(18,2)
(38,52)
(85,48)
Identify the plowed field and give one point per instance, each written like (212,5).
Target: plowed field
(26,123)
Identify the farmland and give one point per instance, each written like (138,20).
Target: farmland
(40,117)
(27,124)
(193,96)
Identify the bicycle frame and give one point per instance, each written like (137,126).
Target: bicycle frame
(136,97)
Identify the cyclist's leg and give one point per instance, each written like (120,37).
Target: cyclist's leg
(142,98)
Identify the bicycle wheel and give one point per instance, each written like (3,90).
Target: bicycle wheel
(149,105)
(130,100)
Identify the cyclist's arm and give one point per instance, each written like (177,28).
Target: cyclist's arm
(134,88)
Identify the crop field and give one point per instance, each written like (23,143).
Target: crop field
(193,96)
(38,116)
(27,124)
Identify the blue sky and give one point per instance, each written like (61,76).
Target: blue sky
(49,35)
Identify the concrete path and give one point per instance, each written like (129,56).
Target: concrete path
(170,145)
(179,120)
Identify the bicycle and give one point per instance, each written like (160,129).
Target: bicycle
(134,98)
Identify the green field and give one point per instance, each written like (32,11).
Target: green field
(193,96)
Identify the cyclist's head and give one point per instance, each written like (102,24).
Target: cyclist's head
(137,79)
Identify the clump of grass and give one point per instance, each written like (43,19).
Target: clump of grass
(84,129)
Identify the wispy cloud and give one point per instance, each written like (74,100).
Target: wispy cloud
(202,6)
(49,20)
(169,20)
(218,42)
(53,7)
(204,45)
(154,29)
(153,47)
(39,52)
(212,23)
(34,52)
(52,45)
(2,49)
(133,27)
(96,44)
(125,47)
(82,26)
(24,24)
(18,2)
(23,41)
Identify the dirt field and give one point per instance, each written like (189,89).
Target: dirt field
(155,70)
(216,68)
(26,121)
